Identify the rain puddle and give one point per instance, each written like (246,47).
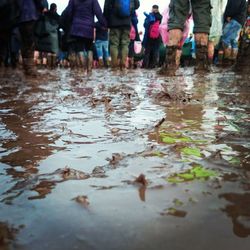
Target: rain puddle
(124,160)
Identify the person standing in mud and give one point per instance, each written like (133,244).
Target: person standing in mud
(178,13)
(234,18)
(82,13)
(152,39)
(243,57)
(218,9)
(30,10)
(119,16)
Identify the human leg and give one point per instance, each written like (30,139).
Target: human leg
(114,46)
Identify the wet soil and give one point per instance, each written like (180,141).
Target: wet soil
(125,160)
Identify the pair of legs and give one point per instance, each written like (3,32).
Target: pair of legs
(81,52)
(230,39)
(119,42)
(151,57)
(102,48)
(27,36)
(178,13)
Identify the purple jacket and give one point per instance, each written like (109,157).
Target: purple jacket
(30,9)
(83,14)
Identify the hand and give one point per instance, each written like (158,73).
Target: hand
(44,10)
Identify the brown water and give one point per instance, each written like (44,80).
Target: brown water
(72,146)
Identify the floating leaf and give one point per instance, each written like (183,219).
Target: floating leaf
(191,151)
(168,140)
(196,173)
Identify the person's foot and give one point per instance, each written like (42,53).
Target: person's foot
(170,66)
(29,68)
(202,64)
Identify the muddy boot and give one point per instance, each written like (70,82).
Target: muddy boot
(101,63)
(72,60)
(49,61)
(202,64)
(29,67)
(108,63)
(53,61)
(220,57)
(170,66)
(90,61)
(227,57)
(234,54)
(243,57)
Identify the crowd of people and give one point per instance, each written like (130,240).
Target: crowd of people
(187,32)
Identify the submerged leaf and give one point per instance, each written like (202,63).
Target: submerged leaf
(196,173)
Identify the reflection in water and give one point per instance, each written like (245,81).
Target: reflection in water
(239,211)
(7,234)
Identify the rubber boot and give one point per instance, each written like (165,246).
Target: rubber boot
(49,61)
(234,54)
(243,57)
(227,57)
(220,57)
(29,67)
(53,61)
(101,63)
(72,60)
(114,56)
(108,62)
(170,66)
(201,58)
(90,61)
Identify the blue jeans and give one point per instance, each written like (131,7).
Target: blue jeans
(231,32)
(102,48)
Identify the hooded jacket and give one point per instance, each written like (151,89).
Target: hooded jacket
(115,21)
(83,14)
(236,9)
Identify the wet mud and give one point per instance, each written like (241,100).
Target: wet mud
(125,160)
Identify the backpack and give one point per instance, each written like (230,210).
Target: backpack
(123,8)
(9,13)
(154,30)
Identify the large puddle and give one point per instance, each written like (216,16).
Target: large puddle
(125,160)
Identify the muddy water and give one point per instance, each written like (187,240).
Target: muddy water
(72,147)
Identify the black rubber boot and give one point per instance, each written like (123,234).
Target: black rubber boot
(170,67)
(202,64)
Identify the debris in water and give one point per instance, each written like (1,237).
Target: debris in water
(142,180)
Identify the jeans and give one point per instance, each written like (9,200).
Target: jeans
(230,34)
(102,48)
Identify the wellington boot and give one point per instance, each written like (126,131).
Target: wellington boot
(29,67)
(90,61)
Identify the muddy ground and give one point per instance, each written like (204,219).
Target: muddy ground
(125,160)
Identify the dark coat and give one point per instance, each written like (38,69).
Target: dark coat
(30,9)
(114,21)
(83,14)
(236,9)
